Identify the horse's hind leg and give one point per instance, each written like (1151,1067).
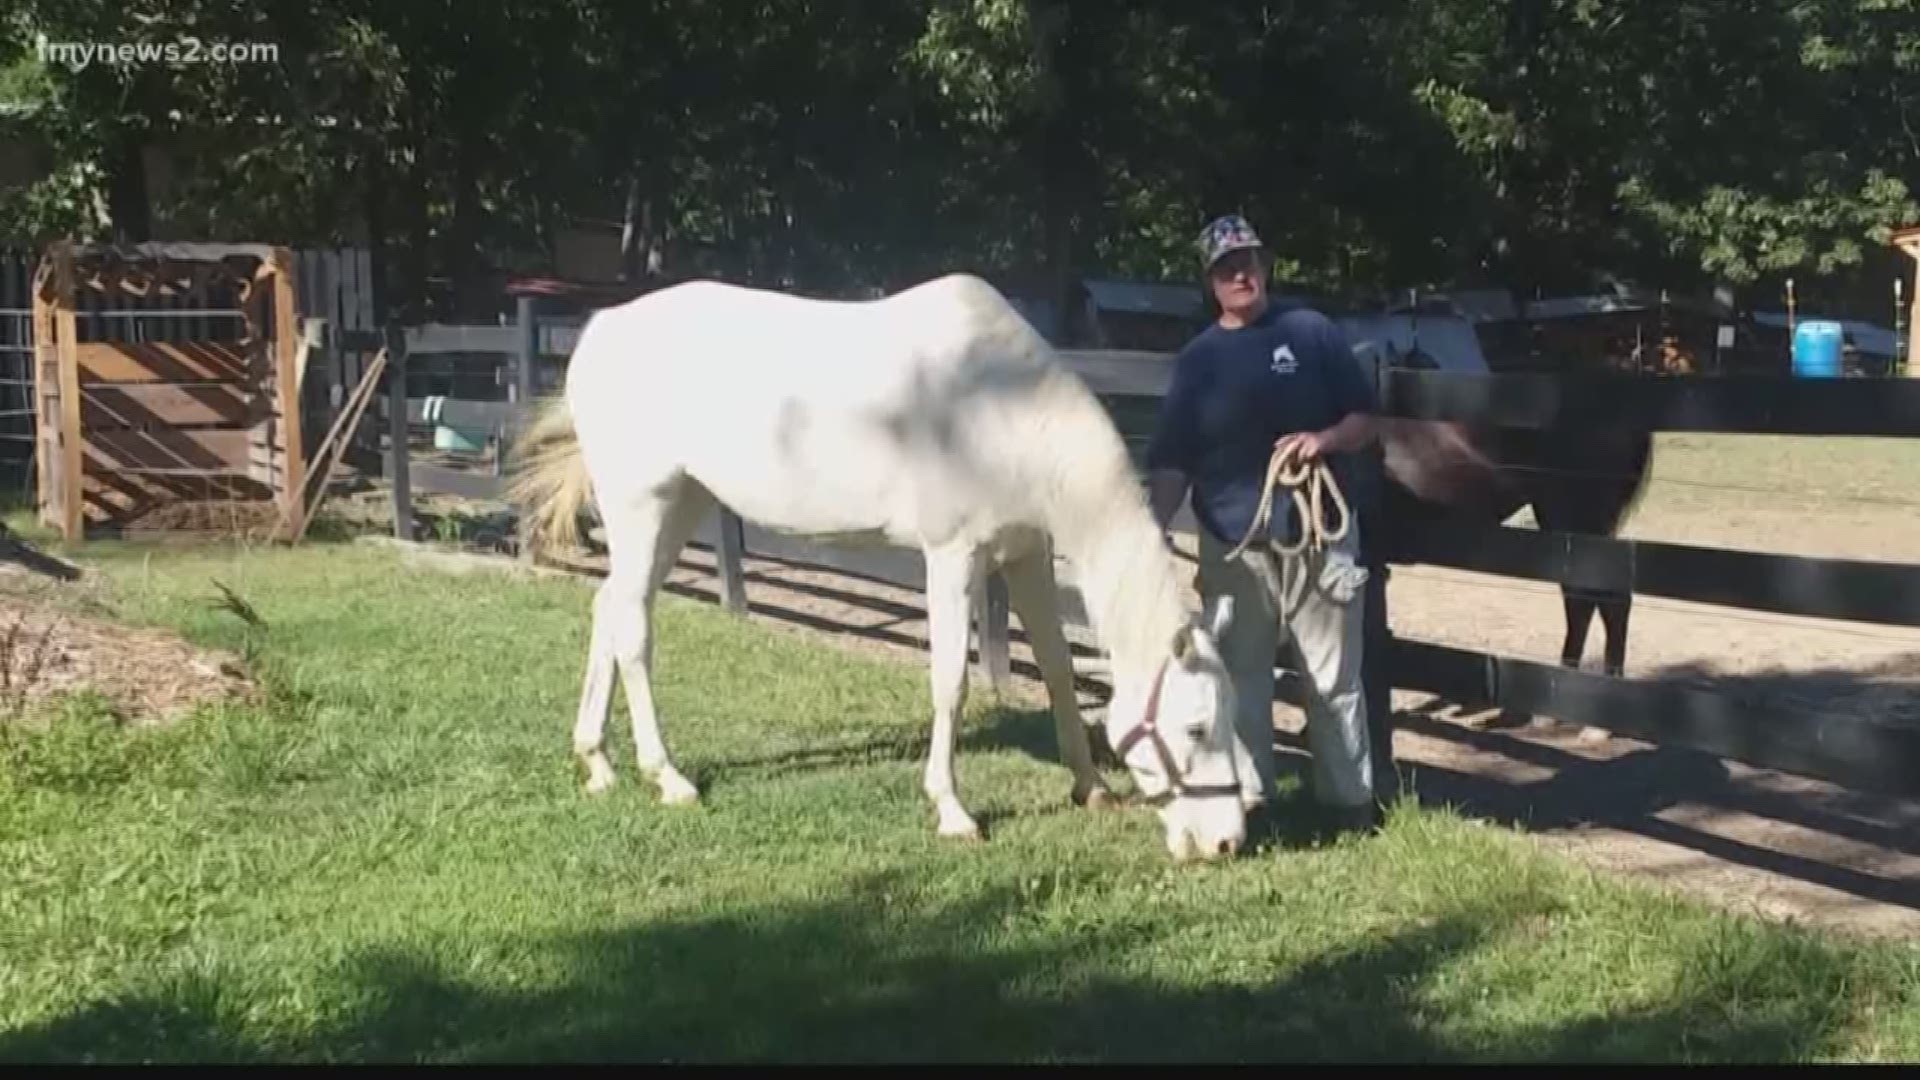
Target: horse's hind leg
(1032,593)
(644,537)
(596,698)
(949,586)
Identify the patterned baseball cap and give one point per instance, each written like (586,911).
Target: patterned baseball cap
(1224,235)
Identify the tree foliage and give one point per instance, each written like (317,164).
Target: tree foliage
(840,146)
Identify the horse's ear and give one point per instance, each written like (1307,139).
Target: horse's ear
(1221,618)
(1183,643)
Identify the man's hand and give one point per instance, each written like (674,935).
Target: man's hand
(1354,431)
(1306,445)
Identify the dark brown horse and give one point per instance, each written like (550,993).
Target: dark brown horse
(1576,480)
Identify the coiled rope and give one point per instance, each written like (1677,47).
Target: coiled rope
(1309,484)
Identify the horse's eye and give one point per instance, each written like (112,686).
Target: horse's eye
(1197,730)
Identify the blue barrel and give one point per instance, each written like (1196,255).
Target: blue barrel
(1816,349)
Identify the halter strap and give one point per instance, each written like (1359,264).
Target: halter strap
(1149,729)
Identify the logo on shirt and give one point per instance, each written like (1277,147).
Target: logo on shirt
(1284,362)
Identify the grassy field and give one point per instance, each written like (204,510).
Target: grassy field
(392,859)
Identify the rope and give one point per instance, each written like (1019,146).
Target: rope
(1309,484)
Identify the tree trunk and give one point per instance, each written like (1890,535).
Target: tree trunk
(128,206)
(632,228)
(1054,158)
(642,254)
(471,299)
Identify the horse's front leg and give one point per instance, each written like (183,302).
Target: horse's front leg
(949,585)
(1034,595)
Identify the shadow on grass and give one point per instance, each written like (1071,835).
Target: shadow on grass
(867,977)
(1000,727)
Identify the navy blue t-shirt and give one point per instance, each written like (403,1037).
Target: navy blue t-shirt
(1235,392)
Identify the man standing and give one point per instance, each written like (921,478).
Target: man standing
(1259,379)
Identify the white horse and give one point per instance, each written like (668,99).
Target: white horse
(936,419)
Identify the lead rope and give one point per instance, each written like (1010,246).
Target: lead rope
(1308,484)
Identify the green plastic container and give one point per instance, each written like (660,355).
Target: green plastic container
(448,437)
(452,438)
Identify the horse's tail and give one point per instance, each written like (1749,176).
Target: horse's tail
(550,482)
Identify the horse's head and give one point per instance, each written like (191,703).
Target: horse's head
(1443,462)
(1176,735)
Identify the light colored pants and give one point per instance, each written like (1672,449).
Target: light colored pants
(1278,599)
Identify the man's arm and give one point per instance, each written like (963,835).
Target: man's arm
(1170,452)
(1165,489)
(1354,431)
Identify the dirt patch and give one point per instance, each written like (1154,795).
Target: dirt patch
(150,676)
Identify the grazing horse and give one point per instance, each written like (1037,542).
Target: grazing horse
(936,419)
(1577,481)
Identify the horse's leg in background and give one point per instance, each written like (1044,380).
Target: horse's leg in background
(950,573)
(1588,490)
(644,537)
(1033,595)
(1615,609)
(1580,604)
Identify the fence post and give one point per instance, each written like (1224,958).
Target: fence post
(1376,658)
(527,313)
(727,557)
(399,466)
(990,611)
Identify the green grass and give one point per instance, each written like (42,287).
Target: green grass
(393,860)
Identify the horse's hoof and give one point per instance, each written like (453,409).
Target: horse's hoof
(677,790)
(1094,798)
(963,829)
(599,778)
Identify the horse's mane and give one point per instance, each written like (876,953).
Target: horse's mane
(1096,510)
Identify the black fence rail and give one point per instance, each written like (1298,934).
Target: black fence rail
(1845,589)
(1752,405)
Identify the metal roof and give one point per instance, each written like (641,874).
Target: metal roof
(1449,339)
(1474,305)
(1176,301)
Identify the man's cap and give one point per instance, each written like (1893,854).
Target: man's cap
(1225,235)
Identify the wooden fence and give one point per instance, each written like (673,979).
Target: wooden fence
(1842,748)
(519,360)
(334,285)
